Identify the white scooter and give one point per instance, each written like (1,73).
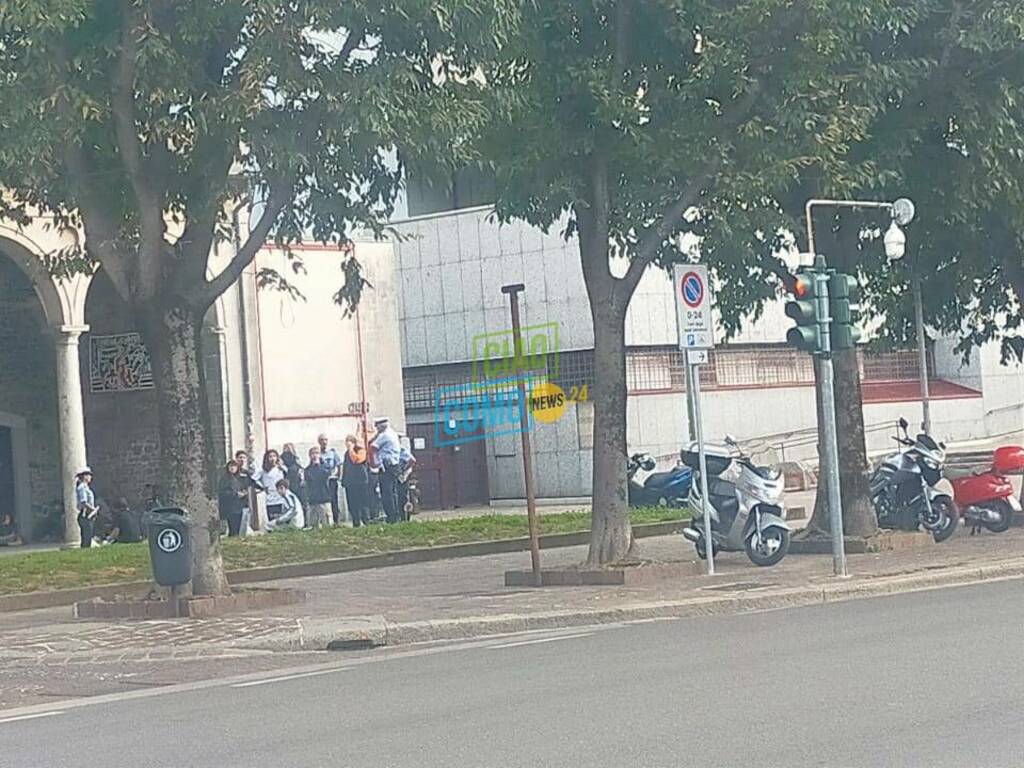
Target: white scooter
(746,515)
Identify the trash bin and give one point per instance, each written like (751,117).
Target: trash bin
(170,546)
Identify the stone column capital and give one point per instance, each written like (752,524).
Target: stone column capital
(68,334)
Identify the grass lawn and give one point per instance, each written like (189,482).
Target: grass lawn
(44,571)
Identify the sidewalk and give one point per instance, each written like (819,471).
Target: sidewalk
(46,654)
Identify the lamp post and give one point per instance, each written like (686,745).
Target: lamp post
(895,248)
(903,212)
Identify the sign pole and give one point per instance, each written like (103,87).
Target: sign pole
(524,414)
(696,329)
(702,459)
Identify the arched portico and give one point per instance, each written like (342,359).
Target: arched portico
(63,303)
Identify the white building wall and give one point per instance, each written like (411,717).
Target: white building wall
(451,268)
(314,363)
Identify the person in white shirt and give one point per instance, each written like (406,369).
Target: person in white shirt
(266,479)
(291,515)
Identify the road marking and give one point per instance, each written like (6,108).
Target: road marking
(19,718)
(283,678)
(540,640)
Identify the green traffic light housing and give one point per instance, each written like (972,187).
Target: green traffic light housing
(844,301)
(804,310)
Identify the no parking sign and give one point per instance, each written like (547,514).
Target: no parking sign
(693,306)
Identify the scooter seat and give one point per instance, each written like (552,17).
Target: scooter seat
(660,479)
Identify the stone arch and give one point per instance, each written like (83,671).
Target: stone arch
(29,258)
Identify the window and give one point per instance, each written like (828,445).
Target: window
(465,188)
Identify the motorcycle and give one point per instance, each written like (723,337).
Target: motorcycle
(986,498)
(746,515)
(660,489)
(908,490)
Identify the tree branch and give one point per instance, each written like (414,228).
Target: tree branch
(669,220)
(355,37)
(129,146)
(279,196)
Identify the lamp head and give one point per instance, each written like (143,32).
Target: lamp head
(895,241)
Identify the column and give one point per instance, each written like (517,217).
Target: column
(71,422)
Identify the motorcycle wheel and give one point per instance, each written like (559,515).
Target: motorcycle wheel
(774,546)
(950,519)
(1005,512)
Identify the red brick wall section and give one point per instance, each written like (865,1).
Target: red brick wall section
(28,382)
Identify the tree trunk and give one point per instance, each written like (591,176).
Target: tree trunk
(859,518)
(173,339)
(611,536)
(858,514)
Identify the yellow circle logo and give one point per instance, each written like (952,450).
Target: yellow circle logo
(547,402)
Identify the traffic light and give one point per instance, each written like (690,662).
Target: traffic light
(804,310)
(844,298)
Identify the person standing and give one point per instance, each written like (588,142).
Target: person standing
(294,473)
(245,474)
(356,481)
(332,462)
(231,496)
(267,478)
(385,451)
(85,502)
(318,491)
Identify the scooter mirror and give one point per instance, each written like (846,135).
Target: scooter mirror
(903,423)
(730,440)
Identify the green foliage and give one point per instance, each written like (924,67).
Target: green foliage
(950,136)
(723,105)
(148,121)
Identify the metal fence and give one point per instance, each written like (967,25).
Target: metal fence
(661,369)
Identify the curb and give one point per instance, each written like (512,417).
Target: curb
(138,589)
(370,631)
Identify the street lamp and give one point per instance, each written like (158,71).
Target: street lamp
(902,212)
(895,241)
(895,248)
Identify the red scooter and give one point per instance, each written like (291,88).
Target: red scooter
(986,499)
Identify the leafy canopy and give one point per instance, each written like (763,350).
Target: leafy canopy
(147,121)
(634,113)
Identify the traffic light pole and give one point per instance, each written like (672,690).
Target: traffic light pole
(831,438)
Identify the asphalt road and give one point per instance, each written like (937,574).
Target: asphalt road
(927,679)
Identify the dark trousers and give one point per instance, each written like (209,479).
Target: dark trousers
(403,499)
(85,527)
(389,494)
(332,486)
(357,497)
(234,522)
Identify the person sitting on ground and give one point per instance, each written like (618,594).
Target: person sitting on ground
(291,510)
(8,531)
(127,523)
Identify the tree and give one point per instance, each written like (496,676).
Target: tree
(950,137)
(627,115)
(146,123)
